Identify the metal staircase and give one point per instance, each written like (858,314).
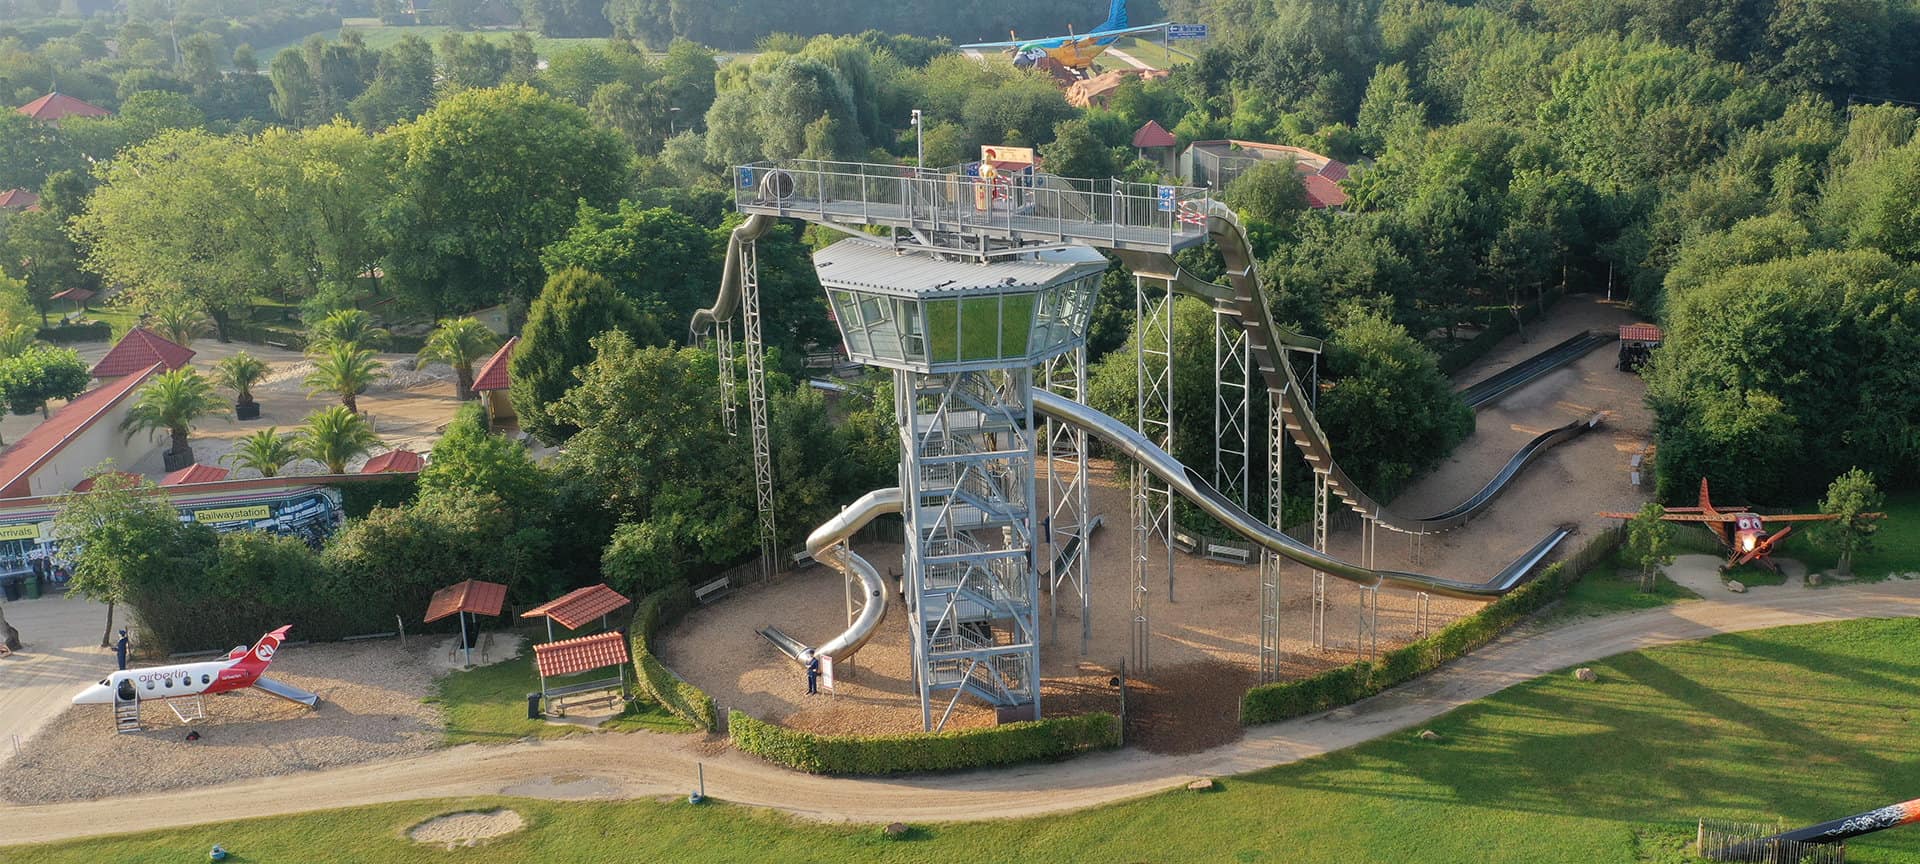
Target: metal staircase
(126,714)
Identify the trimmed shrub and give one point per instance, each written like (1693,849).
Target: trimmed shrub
(956,750)
(684,700)
(92,331)
(1345,685)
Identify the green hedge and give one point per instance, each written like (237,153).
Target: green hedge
(1009,744)
(686,701)
(263,334)
(1345,685)
(92,331)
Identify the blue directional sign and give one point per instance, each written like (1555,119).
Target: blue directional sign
(1166,199)
(745,176)
(1186,31)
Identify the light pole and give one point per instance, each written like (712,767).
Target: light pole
(672,115)
(919,143)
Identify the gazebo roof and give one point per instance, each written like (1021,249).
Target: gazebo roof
(493,375)
(570,656)
(1153,135)
(479,598)
(77,294)
(579,607)
(395,462)
(139,349)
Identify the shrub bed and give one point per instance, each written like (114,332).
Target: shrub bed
(1345,685)
(686,701)
(960,749)
(92,331)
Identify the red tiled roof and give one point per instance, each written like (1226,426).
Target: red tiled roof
(18,199)
(1323,193)
(479,598)
(1153,135)
(77,295)
(1639,333)
(1334,170)
(139,349)
(195,473)
(575,608)
(25,456)
(54,107)
(570,656)
(86,485)
(395,462)
(493,375)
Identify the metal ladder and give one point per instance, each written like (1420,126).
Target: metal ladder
(126,714)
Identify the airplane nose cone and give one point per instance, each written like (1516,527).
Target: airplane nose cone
(98,694)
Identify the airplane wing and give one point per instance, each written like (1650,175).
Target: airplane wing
(1001,44)
(1814,517)
(1080,37)
(1128,31)
(1679,517)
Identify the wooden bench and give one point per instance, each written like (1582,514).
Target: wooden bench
(712,589)
(555,695)
(1229,553)
(803,559)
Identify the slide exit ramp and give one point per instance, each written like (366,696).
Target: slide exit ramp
(285,691)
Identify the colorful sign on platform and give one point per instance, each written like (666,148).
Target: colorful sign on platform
(233,514)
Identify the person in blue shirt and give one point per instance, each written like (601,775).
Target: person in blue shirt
(813,675)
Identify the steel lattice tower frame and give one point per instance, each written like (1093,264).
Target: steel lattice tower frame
(1320,543)
(1269,559)
(1152,508)
(757,403)
(1068,510)
(1232,405)
(723,350)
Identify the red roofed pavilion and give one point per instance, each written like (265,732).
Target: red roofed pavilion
(492,382)
(579,607)
(18,199)
(138,350)
(472,597)
(55,107)
(195,473)
(1153,135)
(573,656)
(394,462)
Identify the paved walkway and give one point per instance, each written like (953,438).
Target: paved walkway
(1128,59)
(625,766)
(60,654)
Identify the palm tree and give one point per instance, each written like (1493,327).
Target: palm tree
(460,342)
(334,435)
(346,325)
(173,401)
(344,369)
(239,373)
(264,451)
(15,339)
(179,323)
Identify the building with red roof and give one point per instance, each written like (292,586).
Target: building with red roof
(139,349)
(55,107)
(19,199)
(1323,193)
(491,383)
(59,452)
(394,462)
(195,473)
(1218,163)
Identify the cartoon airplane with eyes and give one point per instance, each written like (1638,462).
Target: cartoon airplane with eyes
(1742,531)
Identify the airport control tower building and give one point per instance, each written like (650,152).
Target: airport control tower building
(963,335)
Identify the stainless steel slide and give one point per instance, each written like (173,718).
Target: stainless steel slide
(1268,342)
(824,545)
(755,227)
(285,691)
(1190,486)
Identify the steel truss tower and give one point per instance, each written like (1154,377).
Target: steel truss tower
(757,402)
(1152,508)
(1269,559)
(1232,404)
(723,349)
(1067,528)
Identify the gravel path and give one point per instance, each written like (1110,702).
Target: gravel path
(609,766)
(370,709)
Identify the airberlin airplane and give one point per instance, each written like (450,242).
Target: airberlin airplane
(242,668)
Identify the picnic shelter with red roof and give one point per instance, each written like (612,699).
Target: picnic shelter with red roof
(582,654)
(578,608)
(60,451)
(55,107)
(138,350)
(491,383)
(472,597)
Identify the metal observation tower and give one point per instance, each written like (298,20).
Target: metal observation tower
(976,296)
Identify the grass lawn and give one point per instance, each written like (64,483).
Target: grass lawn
(488,704)
(381,36)
(1608,589)
(1802,723)
(1146,51)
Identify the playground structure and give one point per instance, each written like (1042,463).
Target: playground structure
(972,303)
(1740,530)
(181,686)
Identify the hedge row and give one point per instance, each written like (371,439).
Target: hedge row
(92,331)
(686,701)
(1009,744)
(264,334)
(1345,685)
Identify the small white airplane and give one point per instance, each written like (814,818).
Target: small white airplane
(243,667)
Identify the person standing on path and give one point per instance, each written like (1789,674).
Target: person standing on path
(813,675)
(120,650)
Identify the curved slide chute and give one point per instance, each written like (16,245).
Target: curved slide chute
(1190,486)
(824,544)
(756,226)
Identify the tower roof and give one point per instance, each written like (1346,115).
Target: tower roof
(55,107)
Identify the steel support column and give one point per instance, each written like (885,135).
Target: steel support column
(1270,560)
(1232,426)
(1320,543)
(1152,508)
(757,403)
(1068,513)
(729,403)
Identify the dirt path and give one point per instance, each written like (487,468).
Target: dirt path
(603,766)
(60,654)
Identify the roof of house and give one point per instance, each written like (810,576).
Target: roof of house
(1639,333)
(1323,193)
(86,484)
(570,656)
(139,349)
(473,595)
(493,374)
(77,295)
(18,199)
(1334,170)
(1153,135)
(578,607)
(25,456)
(394,461)
(54,107)
(195,473)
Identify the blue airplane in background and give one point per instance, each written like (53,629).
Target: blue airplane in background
(1075,52)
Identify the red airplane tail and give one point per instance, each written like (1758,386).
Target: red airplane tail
(260,656)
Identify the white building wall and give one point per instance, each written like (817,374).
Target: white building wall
(99,442)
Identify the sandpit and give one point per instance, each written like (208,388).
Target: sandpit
(1204,650)
(455,830)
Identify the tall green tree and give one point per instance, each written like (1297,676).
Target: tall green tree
(1390,412)
(1649,544)
(468,462)
(1850,498)
(38,373)
(664,262)
(575,307)
(119,533)
(489,178)
(174,402)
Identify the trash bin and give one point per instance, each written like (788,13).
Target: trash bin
(11,588)
(533,706)
(32,585)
